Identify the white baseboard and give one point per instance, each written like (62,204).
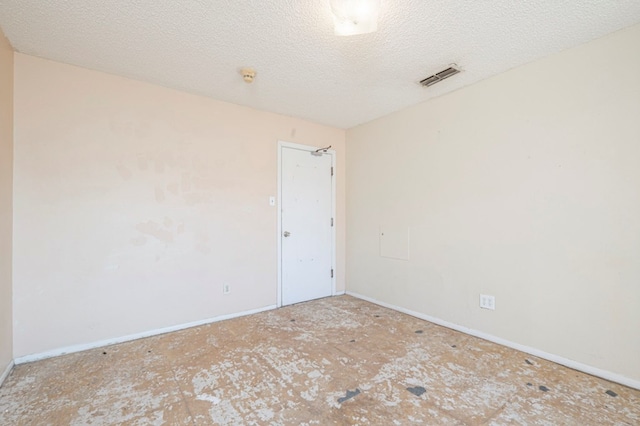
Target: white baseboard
(122,339)
(6,372)
(532,351)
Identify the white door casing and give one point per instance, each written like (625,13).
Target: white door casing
(306,224)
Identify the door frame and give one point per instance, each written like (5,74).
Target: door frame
(290,145)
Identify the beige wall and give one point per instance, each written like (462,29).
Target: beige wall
(525,186)
(135,203)
(6,200)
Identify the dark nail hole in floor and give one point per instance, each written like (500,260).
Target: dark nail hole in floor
(417,390)
(529,384)
(543,388)
(453,346)
(528,362)
(611,393)
(377,316)
(351,341)
(293,320)
(349,395)
(104,353)
(418,331)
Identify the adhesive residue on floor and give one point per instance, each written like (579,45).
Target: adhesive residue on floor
(331,361)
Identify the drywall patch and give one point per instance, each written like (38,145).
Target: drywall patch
(394,242)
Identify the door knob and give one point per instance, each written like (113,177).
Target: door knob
(286,233)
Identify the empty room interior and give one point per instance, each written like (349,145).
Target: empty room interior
(319,212)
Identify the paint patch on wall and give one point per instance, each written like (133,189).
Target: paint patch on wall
(203,243)
(155,230)
(160,195)
(138,241)
(142,162)
(174,188)
(124,172)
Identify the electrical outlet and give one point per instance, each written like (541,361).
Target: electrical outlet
(226,288)
(487,302)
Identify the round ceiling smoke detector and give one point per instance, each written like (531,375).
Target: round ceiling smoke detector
(248,74)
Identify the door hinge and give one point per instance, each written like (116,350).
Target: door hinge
(331,221)
(332,273)
(331,170)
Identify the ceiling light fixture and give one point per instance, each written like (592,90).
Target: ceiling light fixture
(351,17)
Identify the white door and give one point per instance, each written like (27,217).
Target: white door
(306,237)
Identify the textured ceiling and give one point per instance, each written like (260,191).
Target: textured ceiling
(304,70)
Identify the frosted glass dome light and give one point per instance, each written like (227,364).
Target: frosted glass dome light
(351,17)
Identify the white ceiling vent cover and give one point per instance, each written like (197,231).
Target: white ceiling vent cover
(439,76)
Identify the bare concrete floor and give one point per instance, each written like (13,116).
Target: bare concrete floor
(332,361)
